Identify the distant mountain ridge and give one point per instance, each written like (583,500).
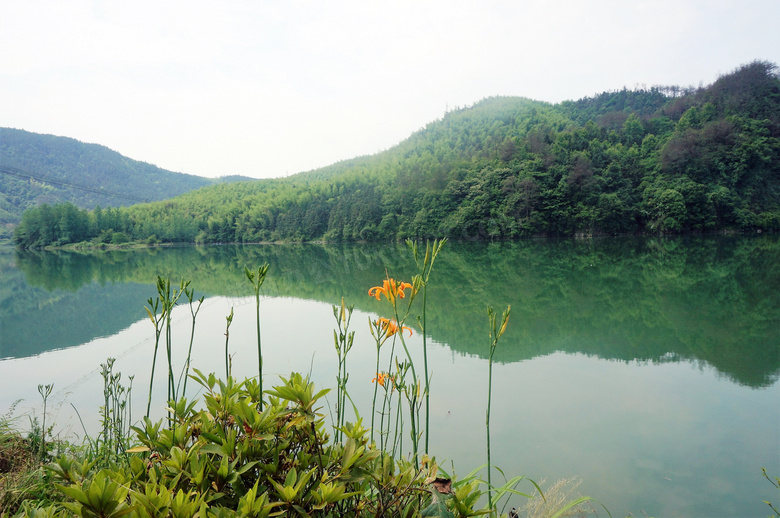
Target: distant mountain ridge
(658,160)
(37,168)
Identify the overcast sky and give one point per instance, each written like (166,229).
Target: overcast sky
(271,88)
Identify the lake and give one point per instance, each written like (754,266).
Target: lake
(648,367)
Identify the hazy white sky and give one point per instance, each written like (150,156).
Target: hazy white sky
(269,88)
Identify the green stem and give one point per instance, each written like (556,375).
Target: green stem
(154,362)
(425,365)
(259,347)
(229,319)
(495,333)
(168,346)
(414,396)
(194,314)
(376,389)
(487,427)
(257,278)
(399,434)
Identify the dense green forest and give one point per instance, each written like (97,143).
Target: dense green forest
(658,160)
(37,169)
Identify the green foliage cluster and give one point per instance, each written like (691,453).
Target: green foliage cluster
(63,223)
(233,459)
(663,160)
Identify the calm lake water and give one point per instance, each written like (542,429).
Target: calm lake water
(647,367)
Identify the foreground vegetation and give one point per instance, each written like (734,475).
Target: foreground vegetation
(663,160)
(245,451)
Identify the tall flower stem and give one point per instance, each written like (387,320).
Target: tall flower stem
(45,392)
(190,294)
(229,320)
(169,298)
(412,397)
(495,333)
(157,320)
(424,268)
(257,278)
(343,340)
(380,331)
(387,403)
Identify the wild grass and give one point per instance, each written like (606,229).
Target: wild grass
(560,499)
(22,477)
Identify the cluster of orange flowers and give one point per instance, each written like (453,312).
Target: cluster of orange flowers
(391,289)
(382,378)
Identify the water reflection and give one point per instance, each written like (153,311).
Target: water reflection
(703,299)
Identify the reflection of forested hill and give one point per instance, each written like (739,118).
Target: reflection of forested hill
(35,319)
(705,298)
(60,321)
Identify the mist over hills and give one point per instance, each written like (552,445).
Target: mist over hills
(658,160)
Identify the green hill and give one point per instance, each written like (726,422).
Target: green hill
(37,169)
(658,160)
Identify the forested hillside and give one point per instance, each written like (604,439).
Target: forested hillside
(37,169)
(658,160)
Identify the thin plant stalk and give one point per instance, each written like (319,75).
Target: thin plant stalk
(45,392)
(424,272)
(343,341)
(168,299)
(189,293)
(129,406)
(229,320)
(154,305)
(495,333)
(257,278)
(425,365)
(381,330)
(387,404)
(371,326)
(398,435)
(412,401)
(387,401)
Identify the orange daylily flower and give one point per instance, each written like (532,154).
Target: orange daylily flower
(382,378)
(391,289)
(390,327)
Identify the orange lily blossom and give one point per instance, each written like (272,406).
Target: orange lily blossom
(390,327)
(391,289)
(382,378)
